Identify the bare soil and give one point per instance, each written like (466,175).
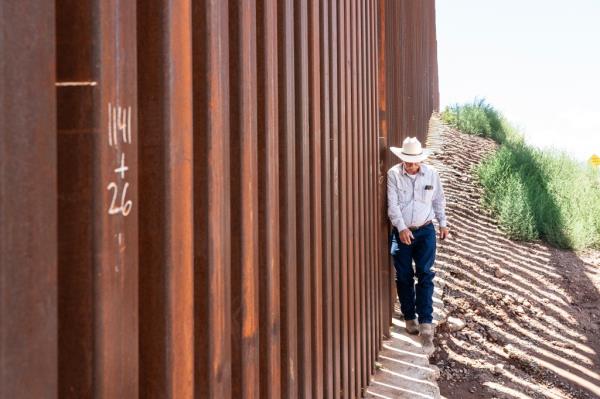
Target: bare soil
(531,312)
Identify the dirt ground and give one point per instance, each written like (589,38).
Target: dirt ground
(523,319)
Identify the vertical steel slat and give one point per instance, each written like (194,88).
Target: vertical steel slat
(434,61)
(384,277)
(359,193)
(355,264)
(418,71)
(315,221)
(347,132)
(326,199)
(166,213)
(397,121)
(415,98)
(421,71)
(367,209)
(403,114)
(287,183)
(303,198)
(244,199)
(373,188)
(212,219)
(365,194)
(366,180)
(28,194)
(368,206)
(166,174)
(343,168)
(269,195)
(335,195)
(380,238)
(409,69)
(377,245)
(362,192)
(393,113)
(116,232)
(427,72)
(75,41)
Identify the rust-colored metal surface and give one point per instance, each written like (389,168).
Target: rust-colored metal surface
(270,203)
(166,223)
(97,198)
(288,231)
(213,226)
(194,206)
(28,220)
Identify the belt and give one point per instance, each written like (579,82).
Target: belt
(415,228)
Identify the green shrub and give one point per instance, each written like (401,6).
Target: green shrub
(539,194)
(478,118)
(534,193)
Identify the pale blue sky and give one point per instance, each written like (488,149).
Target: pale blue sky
(537,61)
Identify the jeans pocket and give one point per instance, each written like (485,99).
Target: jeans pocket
(394,248)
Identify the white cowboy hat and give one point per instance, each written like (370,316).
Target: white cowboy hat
(411,150)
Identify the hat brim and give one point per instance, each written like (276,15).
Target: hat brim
(397,151)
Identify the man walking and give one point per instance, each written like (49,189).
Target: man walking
(415,198)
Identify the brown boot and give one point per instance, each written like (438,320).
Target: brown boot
(426,331)
(411,326)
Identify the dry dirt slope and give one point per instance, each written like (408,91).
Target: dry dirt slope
(532,312)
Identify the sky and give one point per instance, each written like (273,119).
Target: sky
(536,61)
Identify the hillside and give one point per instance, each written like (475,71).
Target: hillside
(519,320)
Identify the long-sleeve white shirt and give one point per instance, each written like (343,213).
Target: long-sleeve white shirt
(415,201)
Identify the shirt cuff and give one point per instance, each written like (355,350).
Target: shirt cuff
(443,223)
(400,225)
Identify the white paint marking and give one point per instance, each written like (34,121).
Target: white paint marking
(129,125)
(110,143)
(114,121)
(122,169)
(123,123)
(67,84)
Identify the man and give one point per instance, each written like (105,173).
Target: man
(415,198)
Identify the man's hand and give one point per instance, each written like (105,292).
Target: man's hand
(444,233)
(406,236)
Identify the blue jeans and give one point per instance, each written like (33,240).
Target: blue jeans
(422,251)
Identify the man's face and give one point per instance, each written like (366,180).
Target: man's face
(412,167)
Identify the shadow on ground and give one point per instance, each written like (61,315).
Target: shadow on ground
(532,312)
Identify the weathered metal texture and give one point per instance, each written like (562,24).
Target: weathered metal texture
(408,94)
(269,200)
(166,197)
(250,207)
(97,198)
(288,206)
(244,191)
(410,68)
(28,241)
(213,227)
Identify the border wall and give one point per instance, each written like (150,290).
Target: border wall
(192,193)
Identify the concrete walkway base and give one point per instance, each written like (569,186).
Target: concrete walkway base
(404,370)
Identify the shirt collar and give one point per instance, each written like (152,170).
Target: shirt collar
(420,172)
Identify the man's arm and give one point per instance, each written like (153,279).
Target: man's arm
(439,206)
(394,211)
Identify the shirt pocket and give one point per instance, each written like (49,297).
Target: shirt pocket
(403,196)
(426,193)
